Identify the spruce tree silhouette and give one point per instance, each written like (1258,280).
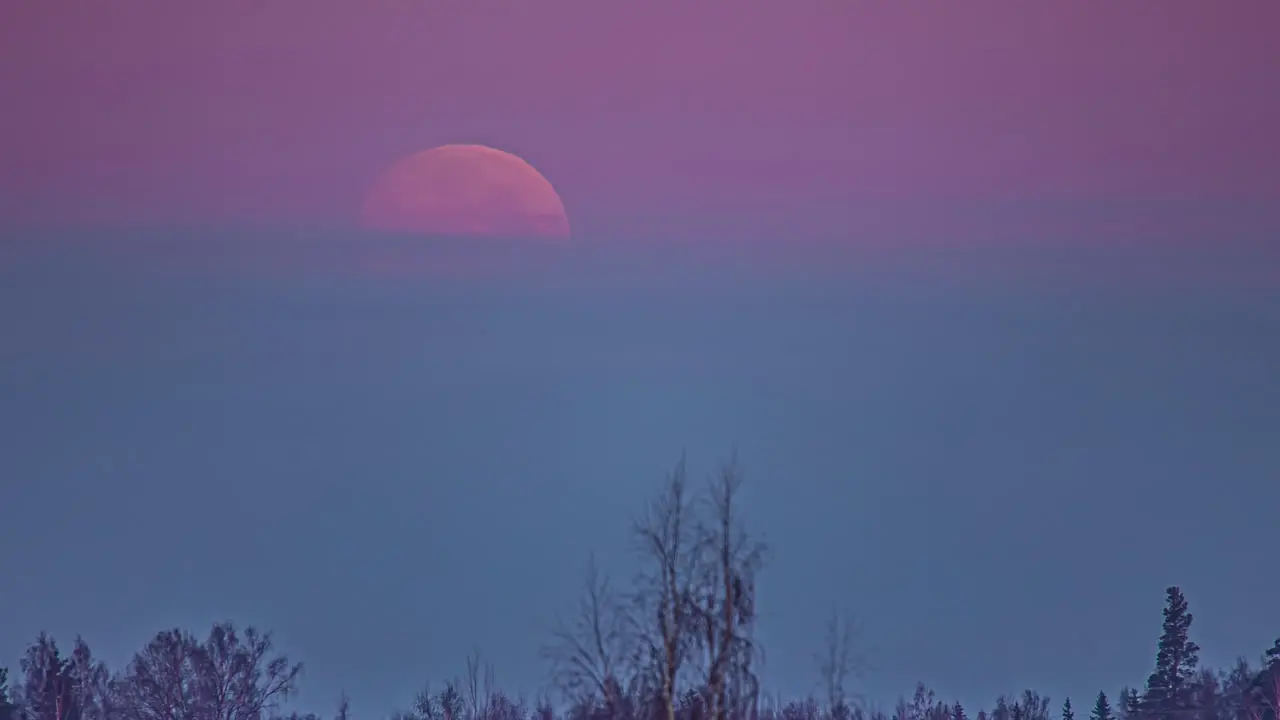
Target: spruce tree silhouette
(1101,708)
(1169,687)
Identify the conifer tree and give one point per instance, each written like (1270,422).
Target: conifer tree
(1170,684)
(957,712)
(1067,712)
(1101,708)
(1130,704)
(7,710)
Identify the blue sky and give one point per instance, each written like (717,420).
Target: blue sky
(997,475)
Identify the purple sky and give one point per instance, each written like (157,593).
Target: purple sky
(283,113)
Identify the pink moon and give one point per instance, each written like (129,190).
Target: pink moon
(465,191)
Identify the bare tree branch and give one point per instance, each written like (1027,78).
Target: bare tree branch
(1266,699)
(664,541)
(589,653)
(837,663)
(472,686)
(227,677)
(729,560)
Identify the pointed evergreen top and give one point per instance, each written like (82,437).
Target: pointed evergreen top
(1101,708)
(1170,685)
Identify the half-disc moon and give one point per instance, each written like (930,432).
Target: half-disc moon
(465,190)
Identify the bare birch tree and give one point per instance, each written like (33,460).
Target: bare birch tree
(663,536)
(479,694)
(591,652)
(229,676)
(838,663)
(48,691)
(729,561)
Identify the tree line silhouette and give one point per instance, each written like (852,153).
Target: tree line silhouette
(677,643)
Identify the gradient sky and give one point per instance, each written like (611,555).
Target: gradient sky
(972,435)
